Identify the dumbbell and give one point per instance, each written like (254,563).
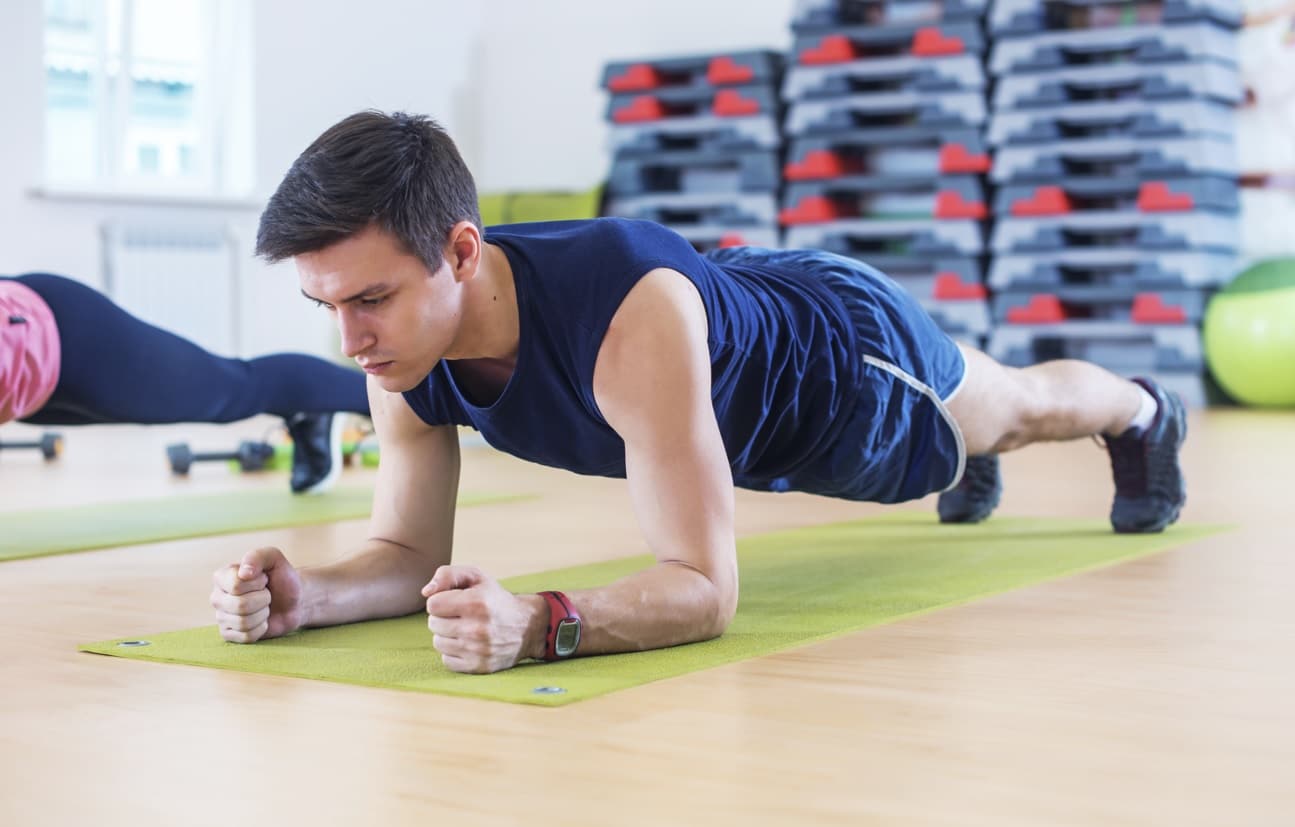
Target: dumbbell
(50,445)
(250,456)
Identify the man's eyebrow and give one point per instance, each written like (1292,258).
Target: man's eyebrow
(365,293)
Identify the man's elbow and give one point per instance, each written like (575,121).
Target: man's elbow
(724,615)
(709,601)
(723,605)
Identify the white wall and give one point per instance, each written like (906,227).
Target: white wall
(542,114)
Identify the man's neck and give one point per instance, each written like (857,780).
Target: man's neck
(490,325)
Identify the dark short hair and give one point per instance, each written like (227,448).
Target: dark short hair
(398,171)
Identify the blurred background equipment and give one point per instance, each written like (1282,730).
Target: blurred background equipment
(1250,335)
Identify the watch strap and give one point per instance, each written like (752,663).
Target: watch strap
(560,609)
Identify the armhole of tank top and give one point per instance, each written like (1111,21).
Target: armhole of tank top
(630,280)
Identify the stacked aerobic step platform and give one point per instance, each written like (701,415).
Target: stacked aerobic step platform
(886,160)
(696,145)
(1116,171)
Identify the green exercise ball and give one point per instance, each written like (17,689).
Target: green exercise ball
(1249,334)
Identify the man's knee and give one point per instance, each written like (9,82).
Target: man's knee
(996,408)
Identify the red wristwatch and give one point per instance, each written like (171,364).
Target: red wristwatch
(563,636)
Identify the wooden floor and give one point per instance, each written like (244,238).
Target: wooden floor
(1157,692)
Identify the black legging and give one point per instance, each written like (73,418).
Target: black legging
(117,368)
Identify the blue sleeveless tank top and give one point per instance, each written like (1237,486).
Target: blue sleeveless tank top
(786,361)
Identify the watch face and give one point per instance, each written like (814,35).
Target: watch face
(567,639)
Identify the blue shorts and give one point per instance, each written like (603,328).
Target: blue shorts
(901,443)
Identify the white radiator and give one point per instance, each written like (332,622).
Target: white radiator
(183,278)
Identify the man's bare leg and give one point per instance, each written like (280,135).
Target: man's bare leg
(1000,408)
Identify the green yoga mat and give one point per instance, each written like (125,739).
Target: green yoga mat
(61,530)
(797,587)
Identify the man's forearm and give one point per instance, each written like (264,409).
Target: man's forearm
(666,605)
(380,580)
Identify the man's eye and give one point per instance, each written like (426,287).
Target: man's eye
(373,302)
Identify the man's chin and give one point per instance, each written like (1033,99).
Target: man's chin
(397,384)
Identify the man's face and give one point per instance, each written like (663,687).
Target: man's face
(397,319)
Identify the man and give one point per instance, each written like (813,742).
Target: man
(610,347)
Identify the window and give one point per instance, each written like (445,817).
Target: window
(148,95)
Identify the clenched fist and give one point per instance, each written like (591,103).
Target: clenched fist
(257,597)
(477,625)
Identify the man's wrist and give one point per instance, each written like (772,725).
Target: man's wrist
(312,596)
(537,626)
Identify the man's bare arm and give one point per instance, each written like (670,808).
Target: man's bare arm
(410,532)
(652,383)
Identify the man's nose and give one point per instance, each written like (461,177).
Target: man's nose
(355,338)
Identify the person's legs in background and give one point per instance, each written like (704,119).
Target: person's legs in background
(119,369)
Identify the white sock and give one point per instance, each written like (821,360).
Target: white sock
(1146,413)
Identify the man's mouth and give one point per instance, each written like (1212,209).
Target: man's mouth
(376,368)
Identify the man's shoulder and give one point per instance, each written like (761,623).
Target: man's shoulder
(578,229)
(663,303)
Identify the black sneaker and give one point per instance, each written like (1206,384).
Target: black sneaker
(1149,486)
(316,451)
(976,495)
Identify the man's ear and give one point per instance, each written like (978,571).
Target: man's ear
(463,250)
